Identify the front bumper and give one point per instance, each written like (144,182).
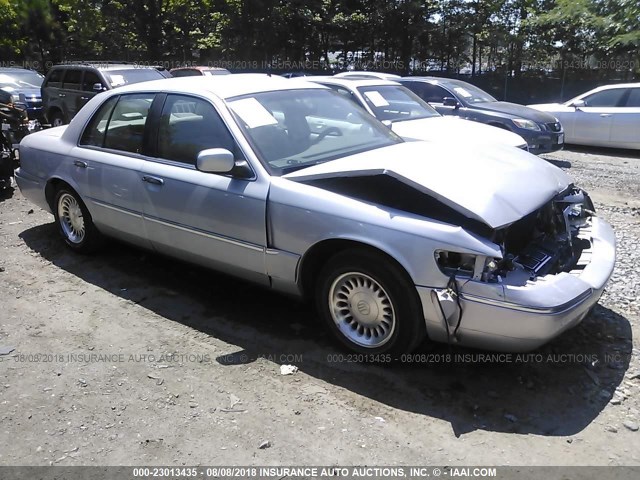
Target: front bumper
(523,315)
(543,142)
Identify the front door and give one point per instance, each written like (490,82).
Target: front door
(218,221)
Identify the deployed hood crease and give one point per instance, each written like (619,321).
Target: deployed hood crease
(495,185)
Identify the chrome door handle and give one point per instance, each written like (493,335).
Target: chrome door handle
(84,98)
(152,180)
(61,95)
(605,115)
(80,163)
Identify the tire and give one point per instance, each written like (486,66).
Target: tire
(369,304)
(56,119)
(75,223)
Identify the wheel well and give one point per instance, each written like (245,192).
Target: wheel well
(319,254)
(52,111)
(52,187)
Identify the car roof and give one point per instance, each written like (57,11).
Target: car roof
(199,67)
(354,82)
(367,74)
(617,85)
(15,70)
(224,86)
(105,66)
(436,80)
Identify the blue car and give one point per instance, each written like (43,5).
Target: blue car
(542,131)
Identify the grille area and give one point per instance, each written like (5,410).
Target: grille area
(554,126)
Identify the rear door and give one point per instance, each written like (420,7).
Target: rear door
(71,93)
(51,90)
(625,131)
(111,153)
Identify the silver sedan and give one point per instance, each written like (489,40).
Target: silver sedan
(607,116)
(288,184)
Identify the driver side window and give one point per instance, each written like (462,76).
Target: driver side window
(189,125)
(606,98)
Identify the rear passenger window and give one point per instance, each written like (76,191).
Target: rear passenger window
(189,125)
(125,129)
(185,73)
(72,79)
(433,93)
(55,79)
(93,134)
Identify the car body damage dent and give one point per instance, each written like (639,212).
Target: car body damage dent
(493,185)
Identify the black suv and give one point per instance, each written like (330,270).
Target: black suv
(67,88)
(542,131)
(24,87)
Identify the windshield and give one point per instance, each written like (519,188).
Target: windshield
(117,78)
(21,80)
(396,103)
(294,129)
(470,93)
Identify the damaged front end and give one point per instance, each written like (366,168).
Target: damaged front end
(555,264)
(547,241)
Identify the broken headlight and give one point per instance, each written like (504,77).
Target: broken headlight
(477,267)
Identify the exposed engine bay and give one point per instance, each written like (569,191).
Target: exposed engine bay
(546,241)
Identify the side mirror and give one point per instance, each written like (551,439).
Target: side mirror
(450,102)
(215,160)
(97,87)
(578,104)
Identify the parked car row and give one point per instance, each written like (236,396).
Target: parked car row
(298,187)
(57,98)
(606,116)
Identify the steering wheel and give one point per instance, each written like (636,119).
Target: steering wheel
(328,131)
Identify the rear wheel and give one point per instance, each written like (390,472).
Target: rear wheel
(75,223)
(369,304)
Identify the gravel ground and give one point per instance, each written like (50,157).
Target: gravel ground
(130,358)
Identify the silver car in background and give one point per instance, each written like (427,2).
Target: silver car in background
(411,117)
(607,116)
(290,185)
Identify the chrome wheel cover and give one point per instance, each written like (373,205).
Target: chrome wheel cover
(57,122)
(362,309)
(71,220)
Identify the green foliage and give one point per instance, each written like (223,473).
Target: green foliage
(510,36)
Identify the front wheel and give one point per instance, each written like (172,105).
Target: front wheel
(75,223)
(369,304)
(57,120)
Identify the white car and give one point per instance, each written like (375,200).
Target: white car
(607,116)
(411,117)
(367,74)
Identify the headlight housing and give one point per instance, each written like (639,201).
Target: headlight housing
(477,267)
(526,124)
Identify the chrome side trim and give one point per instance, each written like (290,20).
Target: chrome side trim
(117,209)
(555,310)
(203,233)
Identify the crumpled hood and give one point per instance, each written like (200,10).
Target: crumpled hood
(516,110)
(494,184)
(453,129)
